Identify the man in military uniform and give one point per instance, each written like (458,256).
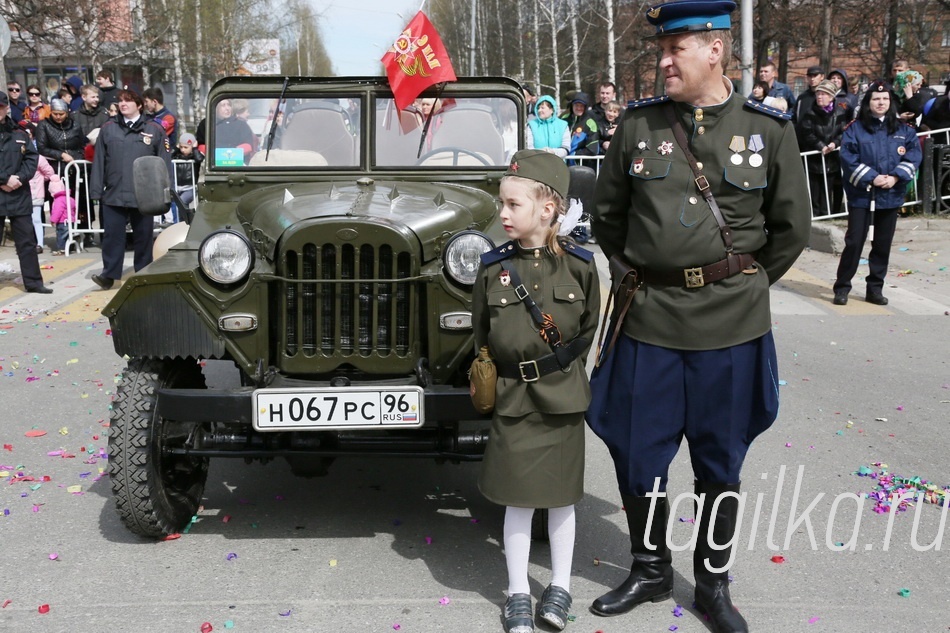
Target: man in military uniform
(696,356)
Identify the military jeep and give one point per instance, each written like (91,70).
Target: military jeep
(330,259)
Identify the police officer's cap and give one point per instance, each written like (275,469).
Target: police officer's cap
(540,166)
(686,16)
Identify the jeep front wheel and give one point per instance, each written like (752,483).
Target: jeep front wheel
(156,493)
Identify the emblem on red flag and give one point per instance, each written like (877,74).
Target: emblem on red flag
(416,60)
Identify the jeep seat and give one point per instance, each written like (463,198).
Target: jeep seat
(320,127)
(288,158)
(469,128)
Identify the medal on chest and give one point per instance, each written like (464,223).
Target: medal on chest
(756,145)
(737,145)
(504,278)
(637,165)
(665,148)
(147,138)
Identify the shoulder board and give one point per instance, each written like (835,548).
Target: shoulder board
(639,103)
(850,123)
(764,109)
(575,250)
(504,251)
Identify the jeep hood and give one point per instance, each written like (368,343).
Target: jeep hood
(424,209)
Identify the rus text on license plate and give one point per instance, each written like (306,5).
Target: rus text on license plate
(333,408)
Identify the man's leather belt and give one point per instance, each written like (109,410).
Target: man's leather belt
(531,370)
(701,275)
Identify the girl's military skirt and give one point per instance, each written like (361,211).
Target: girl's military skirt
(534,461)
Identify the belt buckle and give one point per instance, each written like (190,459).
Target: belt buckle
(694,277)
(529,363)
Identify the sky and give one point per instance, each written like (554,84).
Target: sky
(356,33)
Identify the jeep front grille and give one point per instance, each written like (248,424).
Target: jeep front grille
(343,309)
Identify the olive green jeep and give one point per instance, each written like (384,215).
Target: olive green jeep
(331,259)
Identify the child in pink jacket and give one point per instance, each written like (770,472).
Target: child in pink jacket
(60,215)
(43,173)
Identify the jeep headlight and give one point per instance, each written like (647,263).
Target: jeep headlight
(463,254)
(226,257)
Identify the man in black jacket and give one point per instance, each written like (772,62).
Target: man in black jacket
(121,140)
(91,115)
(17,165)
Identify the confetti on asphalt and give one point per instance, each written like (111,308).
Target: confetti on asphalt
(44,608)
(677,611)
(206,627)
(396,626)
(332,562)
(231,556)
(813,620)
(286,614)
(778,558)
(444,600)
(890,485)
(903,593)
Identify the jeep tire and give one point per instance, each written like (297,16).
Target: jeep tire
(156,493)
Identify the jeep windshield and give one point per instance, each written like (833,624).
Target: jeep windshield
(361,130)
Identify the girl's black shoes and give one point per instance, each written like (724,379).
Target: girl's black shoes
(518,614)
(554,607)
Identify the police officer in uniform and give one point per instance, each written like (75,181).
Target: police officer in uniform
(122,139)
(18,161)
(696,358)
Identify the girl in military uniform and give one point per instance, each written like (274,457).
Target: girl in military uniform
(535,453)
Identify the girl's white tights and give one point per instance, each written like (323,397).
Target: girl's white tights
(518,546)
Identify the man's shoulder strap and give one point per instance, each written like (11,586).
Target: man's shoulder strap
(641,103)
(769,110)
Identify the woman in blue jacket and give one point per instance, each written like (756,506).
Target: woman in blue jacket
(879,156)
(546,131)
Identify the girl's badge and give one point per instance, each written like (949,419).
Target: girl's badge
(637,165)
(147,138)
(505,278)
(901,150)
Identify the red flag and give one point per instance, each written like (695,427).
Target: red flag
(416,60)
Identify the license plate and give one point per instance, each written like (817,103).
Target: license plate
(333,408)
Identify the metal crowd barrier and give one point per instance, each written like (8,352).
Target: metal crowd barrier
(77,172)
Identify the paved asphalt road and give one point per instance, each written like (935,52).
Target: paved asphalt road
(388,545)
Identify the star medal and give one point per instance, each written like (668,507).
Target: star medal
(665,148)
(637,165)
(737,145)
(756,145)
(505,278)
(643,146)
